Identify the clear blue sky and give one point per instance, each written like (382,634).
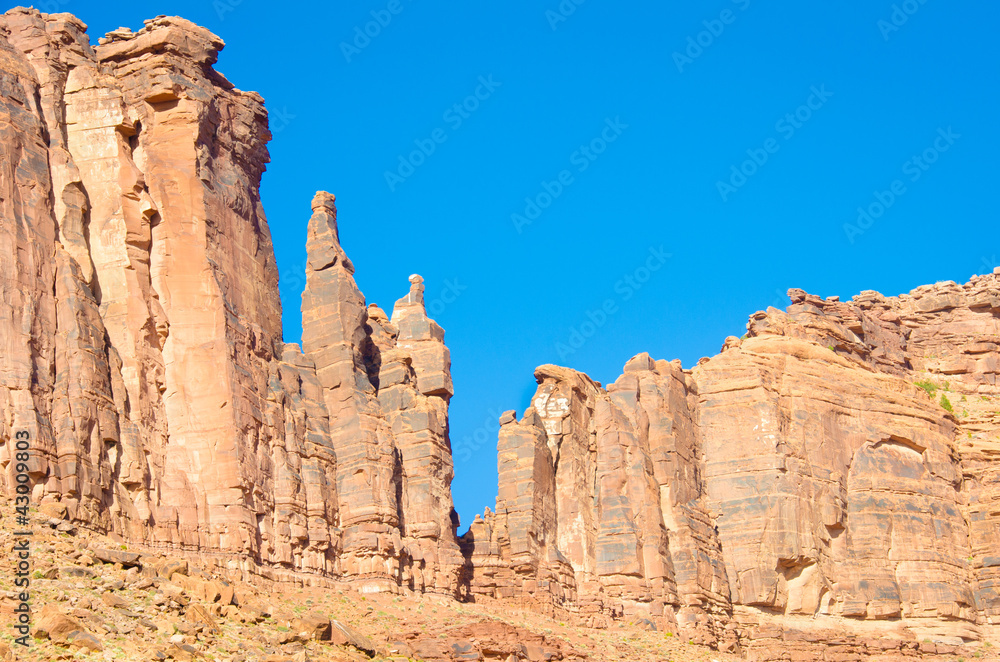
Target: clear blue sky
(879,97)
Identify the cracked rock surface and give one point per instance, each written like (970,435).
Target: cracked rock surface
(826,487)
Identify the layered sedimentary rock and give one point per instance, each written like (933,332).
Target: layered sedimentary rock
(142,334)
(56,383)
(335,336)
(804,471)
(388,415)
(619,505)
(415,389)
(834,474)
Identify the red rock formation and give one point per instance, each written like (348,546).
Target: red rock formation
(623,514)
(56,381)
(801,472)
(797,489)
(144,336)
(414,394)
(336,336)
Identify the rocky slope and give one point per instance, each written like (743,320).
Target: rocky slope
(99,599)
(827,485)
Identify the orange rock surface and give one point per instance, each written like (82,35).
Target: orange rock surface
(830,481)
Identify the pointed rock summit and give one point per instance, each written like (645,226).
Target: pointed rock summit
(423,338)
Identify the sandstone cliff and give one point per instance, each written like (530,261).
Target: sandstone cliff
(834,475)
(832,471)
(142,332)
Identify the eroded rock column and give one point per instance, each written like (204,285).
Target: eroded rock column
(336,336)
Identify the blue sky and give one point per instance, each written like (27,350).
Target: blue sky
(681,165)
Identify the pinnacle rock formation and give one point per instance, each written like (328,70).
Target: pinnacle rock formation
(828,482)
(142,327)
(802,472)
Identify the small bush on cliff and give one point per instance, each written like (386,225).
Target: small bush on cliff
(928,386)
(946,403)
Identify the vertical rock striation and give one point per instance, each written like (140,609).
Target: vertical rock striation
(415,391)
(143,333)
(801,472)
(337,337)
(616,501)
(833,475)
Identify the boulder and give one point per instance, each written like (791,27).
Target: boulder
(126,558)
(313,626)
(342,634)
(51,623)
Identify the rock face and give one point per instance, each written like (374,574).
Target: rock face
(618,521)
(833,475)
(804,471)
(141,327)
(388,414)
